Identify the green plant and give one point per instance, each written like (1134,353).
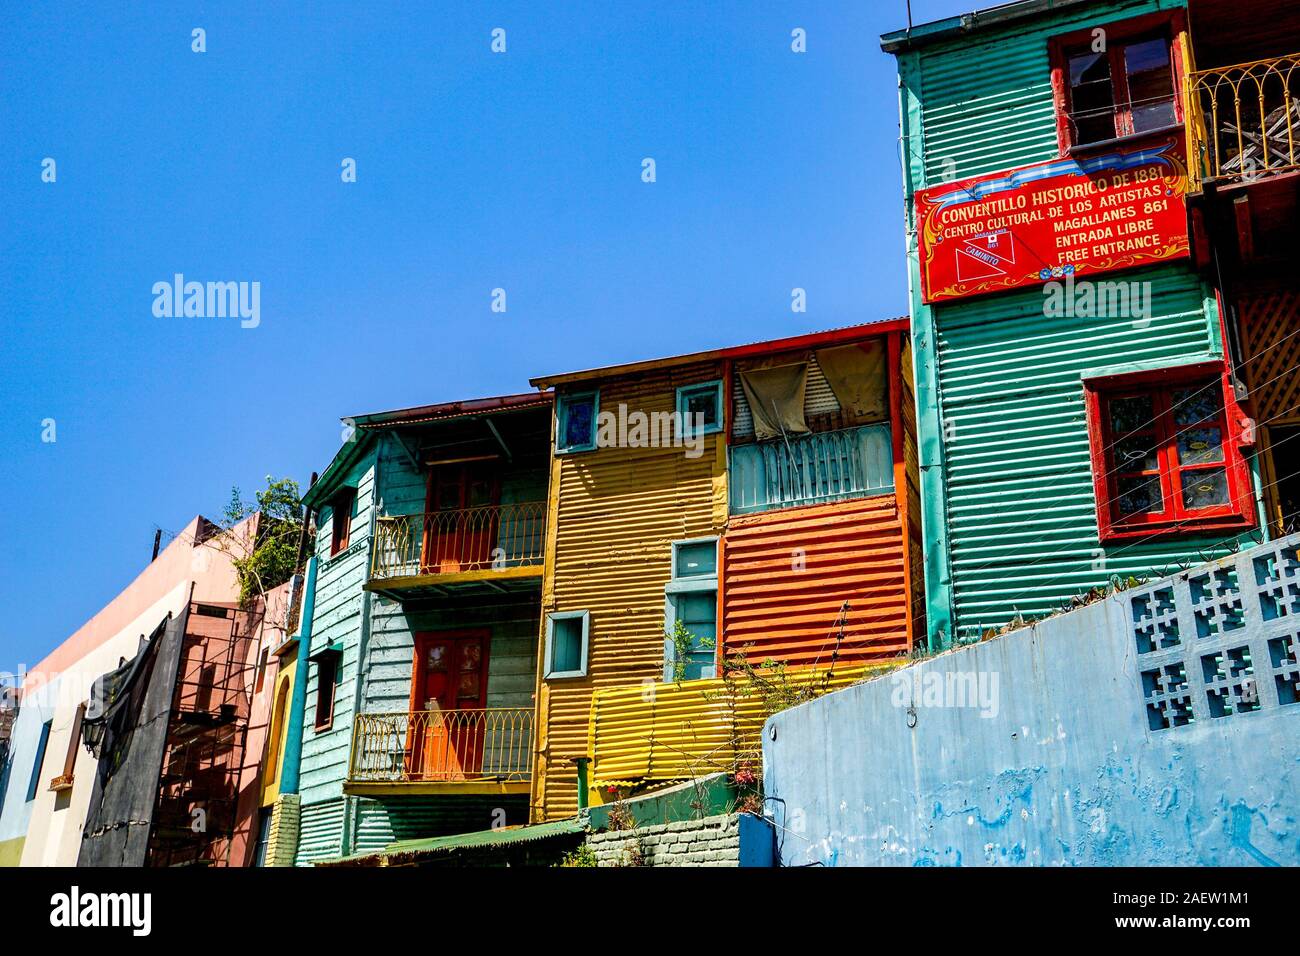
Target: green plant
(582,856)
(270,558)
(684,644)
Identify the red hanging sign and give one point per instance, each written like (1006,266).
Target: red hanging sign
(1044,222)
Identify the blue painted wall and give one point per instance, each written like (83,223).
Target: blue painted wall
(1037,747)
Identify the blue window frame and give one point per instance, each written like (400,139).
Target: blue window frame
(694,401)
(576,416)
(691,599)
(41,746)
(567,637)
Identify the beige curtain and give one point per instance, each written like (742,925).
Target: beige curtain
(856,374)
(776,397)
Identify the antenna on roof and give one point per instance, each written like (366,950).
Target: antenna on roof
(909,16)
(157,540)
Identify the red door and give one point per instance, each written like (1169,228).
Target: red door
(461,529)
(447,730)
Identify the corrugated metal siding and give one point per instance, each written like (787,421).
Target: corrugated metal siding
(381,822)
(1021,508)
(679,731)
(819,398)
(988,106)
(320,832)
(788,573)
(616,513)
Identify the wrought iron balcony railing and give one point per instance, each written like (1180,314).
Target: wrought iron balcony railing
(488,538)
(811,469)
(443,746)
(1244,120)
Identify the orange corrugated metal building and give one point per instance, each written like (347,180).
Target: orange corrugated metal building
(757,500)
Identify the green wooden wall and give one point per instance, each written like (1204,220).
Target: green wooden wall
(377,636)
(1008,505)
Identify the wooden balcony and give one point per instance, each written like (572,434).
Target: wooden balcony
(499,547)
(480,751)
(1243,121)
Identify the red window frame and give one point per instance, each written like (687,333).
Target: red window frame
(1171,25)
(1238,433)
(341,530)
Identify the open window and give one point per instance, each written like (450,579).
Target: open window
(567,638)
(1118,80)
(64,780)
(1166,454)
(328,668)
(341,506)
(34,782)
(691,611)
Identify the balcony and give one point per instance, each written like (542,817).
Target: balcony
(1243,121)
(442,751)
(812,469)
(442,552)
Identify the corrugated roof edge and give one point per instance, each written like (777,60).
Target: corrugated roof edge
(446,411)
(939,30)
(407,851)
(806,340)
(462,409)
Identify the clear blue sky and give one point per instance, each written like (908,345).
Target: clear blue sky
(474,171)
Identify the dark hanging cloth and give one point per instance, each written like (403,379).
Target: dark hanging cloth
(126,728)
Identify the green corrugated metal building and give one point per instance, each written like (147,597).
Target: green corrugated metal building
(1010,484)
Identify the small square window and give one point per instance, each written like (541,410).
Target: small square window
(576,421)
(566,644)
(695,558)
(699,408)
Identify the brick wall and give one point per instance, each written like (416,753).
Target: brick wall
(713,841)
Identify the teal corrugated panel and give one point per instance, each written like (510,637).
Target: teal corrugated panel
(1021,509)
(320,831)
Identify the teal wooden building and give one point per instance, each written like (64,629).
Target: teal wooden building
(1078,422)
(421,626)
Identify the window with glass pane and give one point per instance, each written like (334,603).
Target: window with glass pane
(1092,98)
(1134,425)
(577,422)
(696,611)
(700,407)
(1124,89)
(566,650)
(1168,458)
(696,558)
(1150,84)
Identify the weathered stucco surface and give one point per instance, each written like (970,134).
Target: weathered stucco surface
(1051,757)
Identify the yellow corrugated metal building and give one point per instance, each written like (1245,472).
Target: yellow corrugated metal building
(638,538)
